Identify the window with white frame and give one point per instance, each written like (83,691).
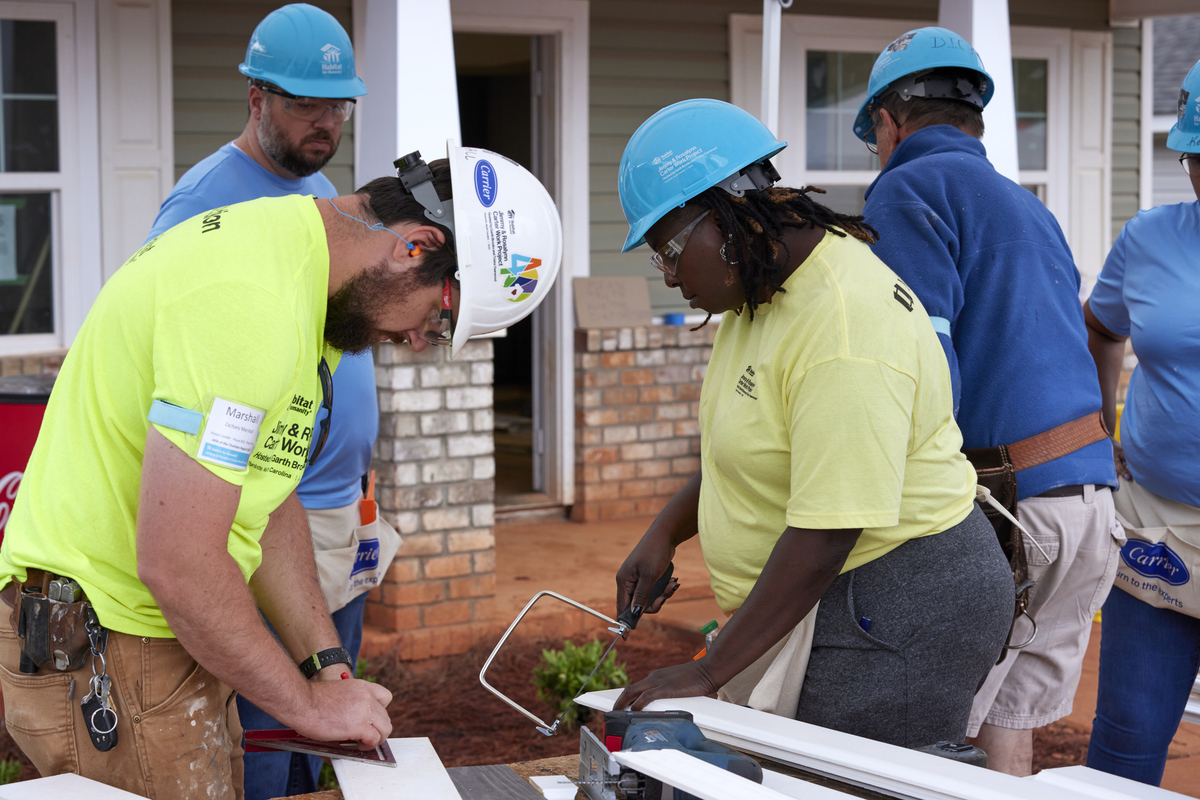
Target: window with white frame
(32,177)
(825,68)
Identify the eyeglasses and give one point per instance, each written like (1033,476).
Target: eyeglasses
(311,109)
(437,324)
(1191,163)
(666,260)
(327,404)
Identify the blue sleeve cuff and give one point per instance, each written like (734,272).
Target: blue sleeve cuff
(941,325)
(175,417)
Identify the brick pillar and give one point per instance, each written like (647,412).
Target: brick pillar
(435,484)
(637,401)
(38,364)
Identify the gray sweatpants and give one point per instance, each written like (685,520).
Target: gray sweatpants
(939,610)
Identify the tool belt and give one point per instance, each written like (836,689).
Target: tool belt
(50,616)
(996,469)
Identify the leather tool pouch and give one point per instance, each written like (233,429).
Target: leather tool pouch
(994,470)
(52,632)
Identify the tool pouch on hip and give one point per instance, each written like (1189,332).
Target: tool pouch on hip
(52,632)
(994,470)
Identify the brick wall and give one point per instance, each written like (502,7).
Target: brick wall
(37,364)
(637,400)
(435,484)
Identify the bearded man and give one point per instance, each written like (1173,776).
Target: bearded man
(300,69)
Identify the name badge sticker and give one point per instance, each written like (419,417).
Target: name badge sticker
(231,434)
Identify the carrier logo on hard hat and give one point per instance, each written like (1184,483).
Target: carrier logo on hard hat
(521,278)
(485,183)
(333,59)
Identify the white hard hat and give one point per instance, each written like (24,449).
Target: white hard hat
(509,240)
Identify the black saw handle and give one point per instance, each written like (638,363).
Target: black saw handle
(628,618)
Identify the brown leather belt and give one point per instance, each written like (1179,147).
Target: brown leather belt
(1057,442)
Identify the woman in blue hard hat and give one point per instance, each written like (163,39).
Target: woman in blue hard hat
(1149,292)
(830,463)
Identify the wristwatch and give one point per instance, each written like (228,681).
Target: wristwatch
(318,661)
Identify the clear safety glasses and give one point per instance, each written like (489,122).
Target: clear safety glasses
(437,324)
(666,260)
(311,109)
(1191,163)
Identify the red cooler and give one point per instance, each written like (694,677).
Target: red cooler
(23,401)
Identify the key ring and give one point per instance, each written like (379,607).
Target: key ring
(103,664)
(103,710)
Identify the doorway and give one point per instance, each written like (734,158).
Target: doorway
(499,88)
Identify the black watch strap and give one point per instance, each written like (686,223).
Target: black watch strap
(318,661)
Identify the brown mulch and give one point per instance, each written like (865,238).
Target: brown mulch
(443,699)
(470,726)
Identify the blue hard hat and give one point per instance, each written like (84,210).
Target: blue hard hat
(684,149)
(1185,133)
(304,51)
(922,56)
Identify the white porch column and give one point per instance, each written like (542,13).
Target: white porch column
(772,33)
(984,23)
(407,61)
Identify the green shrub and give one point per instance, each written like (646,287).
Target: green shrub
(360,671)
(9,771)
(562,673)
(327,779)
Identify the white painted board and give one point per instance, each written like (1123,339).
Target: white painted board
(1101,785)
(851,758)
(418,773)
(800,789)
(68,786)
(690,774)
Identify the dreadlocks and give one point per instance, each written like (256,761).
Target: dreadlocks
(754,224)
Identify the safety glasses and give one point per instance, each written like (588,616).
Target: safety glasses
(311,109)
(1191,163)
(437,325)
(327,404)
(666,260)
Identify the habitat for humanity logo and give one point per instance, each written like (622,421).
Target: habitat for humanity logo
(485,183)
(333,60)
(521,278)
(1155,561)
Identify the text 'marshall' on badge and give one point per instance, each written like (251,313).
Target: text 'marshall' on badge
(230,434)
(612,302)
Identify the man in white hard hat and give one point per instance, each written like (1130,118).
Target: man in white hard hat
(300,69)
(158,512)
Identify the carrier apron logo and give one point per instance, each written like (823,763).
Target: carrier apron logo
(367,557)
(745,384)
(1155,561)
(521,278)
(902,297)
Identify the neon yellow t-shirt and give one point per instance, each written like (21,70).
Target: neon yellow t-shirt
(223,314)
(832,409)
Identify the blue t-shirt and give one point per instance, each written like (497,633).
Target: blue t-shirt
(230,176)
(988,259)
(1149,290)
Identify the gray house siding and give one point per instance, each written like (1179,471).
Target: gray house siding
(646,55)
(1126,129)
(208,41)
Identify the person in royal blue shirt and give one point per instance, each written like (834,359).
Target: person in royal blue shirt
(991,266)
(1149,293)
(302,82)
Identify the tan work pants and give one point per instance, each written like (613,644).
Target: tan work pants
(178,734)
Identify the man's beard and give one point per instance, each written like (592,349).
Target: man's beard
(350,314)
(273,143)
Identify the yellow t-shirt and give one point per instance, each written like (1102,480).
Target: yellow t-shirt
(832,409)
(224,313)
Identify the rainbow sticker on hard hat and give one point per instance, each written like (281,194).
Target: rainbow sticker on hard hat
(521,278)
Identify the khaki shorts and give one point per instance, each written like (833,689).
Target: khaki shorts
(1036,685)
(178,734)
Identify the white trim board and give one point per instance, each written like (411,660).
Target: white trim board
(64,787)
(853,758)
(418,773)
(1100,785)
(690,774)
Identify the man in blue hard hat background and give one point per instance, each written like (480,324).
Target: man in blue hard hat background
(302,84)
(991,266)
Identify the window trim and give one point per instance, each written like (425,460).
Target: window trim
(800,32)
